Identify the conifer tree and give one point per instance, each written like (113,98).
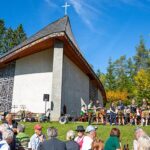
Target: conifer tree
(9,38)
(110,76)
(2,31)
(142,56)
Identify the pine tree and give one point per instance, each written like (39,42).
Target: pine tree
(102,77)
(121,73)
(9,38)
(2,31)
(110,76)
(20,34)
(142,56)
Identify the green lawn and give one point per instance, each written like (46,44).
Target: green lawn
(127,132)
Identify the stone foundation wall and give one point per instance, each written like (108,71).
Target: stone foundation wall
(6,86)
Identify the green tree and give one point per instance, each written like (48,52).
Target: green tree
(110,76)
(20,34)
(102,77)
(142,80)
(9,38)
(130,74)
(130,68)
(120,73)
(2,31)
(142,56)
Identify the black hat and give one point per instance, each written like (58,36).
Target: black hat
(80,128)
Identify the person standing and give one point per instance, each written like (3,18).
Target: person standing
(71,144)
(89,138)
(22,139)
(12,125)
(113,142)
(139,132)
(36,138)
(144,143)
(6,140)
(80,135)
(52,143)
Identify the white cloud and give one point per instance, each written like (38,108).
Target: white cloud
(90,10)
(50,3)
(86,11)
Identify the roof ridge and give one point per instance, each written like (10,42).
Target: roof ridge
(48,25)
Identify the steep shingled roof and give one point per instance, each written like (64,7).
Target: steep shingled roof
(61,25)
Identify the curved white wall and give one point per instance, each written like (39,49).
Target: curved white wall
(33,78)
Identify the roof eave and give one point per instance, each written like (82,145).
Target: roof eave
(8,57)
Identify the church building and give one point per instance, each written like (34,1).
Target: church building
(49,67)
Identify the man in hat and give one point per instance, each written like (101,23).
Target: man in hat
(80,135)
(36,138)
(89,138)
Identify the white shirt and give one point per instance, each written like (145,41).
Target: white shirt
(87,143)
(4,145)
(34,142)
(83,109)
(135,145)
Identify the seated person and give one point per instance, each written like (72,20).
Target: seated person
(83,110)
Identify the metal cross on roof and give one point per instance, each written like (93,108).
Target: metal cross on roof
(66,6)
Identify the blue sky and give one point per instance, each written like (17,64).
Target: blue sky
(102,28)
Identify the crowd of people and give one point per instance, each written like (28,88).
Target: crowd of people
(118,115)
(13,137)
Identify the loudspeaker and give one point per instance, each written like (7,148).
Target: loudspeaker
(46,97)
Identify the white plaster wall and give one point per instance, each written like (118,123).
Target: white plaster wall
(75,87)
(33,78)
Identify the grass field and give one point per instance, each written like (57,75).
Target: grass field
(127,132)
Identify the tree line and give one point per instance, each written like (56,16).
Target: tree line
(9,37)
(128,78)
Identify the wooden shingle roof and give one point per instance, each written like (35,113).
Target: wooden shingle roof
(61,25)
